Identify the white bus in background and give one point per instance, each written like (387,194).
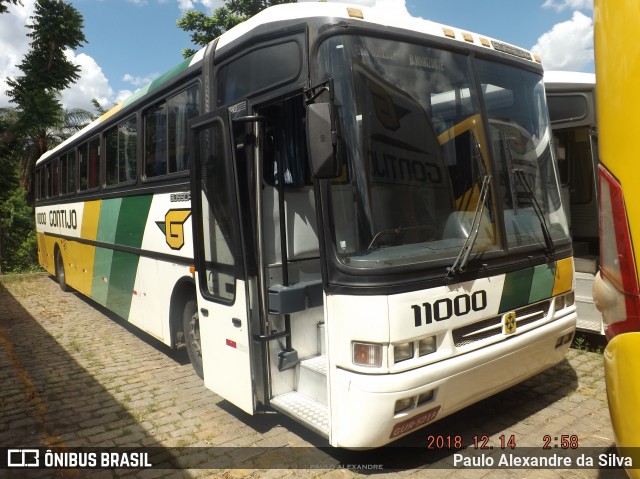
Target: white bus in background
(572,110)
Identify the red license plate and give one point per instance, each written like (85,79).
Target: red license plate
(414,422)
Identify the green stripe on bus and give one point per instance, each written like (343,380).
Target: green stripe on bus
(101,272)
(109,210)
(515,292)
(121,282)
(122,222)
(132,219)
(542,285)
(179,68)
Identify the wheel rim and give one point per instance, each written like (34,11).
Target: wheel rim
(194,334)
(60,267)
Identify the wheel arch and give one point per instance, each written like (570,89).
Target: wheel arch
(184,290)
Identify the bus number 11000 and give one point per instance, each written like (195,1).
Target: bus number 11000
(445,308)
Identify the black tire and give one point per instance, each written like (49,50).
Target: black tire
(191,328)
(60,273)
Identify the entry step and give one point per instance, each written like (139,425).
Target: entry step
(305,409)
(317,364)
(312,379)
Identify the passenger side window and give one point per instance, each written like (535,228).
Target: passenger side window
(121,152)
(166,136)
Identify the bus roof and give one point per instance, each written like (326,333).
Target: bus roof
(570,80)
(307,10)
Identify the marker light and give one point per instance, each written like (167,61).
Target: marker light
(402,352)
(367,354)
(425,397)
(402,404)
(427,346)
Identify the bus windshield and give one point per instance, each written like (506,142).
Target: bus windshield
(420,136)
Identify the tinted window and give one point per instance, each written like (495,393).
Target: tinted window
(121,152)
(259,70)
(567,108)
(166,133)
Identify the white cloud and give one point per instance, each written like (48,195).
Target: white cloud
(14,43)
(208,5)
(91,85)
(560,5)
(139,81)
(568,45)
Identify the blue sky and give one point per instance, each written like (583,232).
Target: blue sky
(130,42)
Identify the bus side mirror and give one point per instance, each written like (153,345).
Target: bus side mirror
(322,141)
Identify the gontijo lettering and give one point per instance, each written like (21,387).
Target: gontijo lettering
(62,218)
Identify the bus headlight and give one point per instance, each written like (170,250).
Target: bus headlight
(427,346)
(367,354)
(402,352)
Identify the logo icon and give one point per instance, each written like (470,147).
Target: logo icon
(173,227)
(509,323)
(23,457)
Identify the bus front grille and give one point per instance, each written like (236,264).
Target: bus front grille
(490,327)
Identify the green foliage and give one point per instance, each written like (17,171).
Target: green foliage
(18,234)
(18,246)
(205,28)
(57,26)
(4,8)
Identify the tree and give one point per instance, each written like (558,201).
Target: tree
(18,248)
(205,28)
(4,8)
(57,26)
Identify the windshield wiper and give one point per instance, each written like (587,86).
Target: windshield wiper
(550,248)
(463,257)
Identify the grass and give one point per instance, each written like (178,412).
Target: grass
(589,342)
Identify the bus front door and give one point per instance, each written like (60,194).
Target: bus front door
(224,325)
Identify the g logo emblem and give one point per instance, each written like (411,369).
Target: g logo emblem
(173,227)
(509,323)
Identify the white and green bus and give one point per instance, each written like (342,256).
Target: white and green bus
(351,218)
(572,109)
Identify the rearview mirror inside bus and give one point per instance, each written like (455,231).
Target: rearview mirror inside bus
(322,141)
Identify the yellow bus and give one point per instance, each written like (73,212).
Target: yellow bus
(616,291)
(349,217)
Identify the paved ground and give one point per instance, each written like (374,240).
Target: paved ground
(72,376)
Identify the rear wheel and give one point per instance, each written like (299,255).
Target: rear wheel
(191,328)
(60,273)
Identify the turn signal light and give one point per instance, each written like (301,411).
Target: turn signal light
(367,354)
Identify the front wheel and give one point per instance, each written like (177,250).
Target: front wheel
(191,328)
(60,273)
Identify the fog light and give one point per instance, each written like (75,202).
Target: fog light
(425,397)
(367,354)
(402,404)
(427,345)
(402,352)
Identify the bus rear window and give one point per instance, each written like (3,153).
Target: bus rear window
(564,108)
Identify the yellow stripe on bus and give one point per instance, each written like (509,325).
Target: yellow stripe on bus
(564,276)
(80,271)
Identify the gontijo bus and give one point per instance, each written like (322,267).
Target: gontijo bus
(616,292)
(378,233)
